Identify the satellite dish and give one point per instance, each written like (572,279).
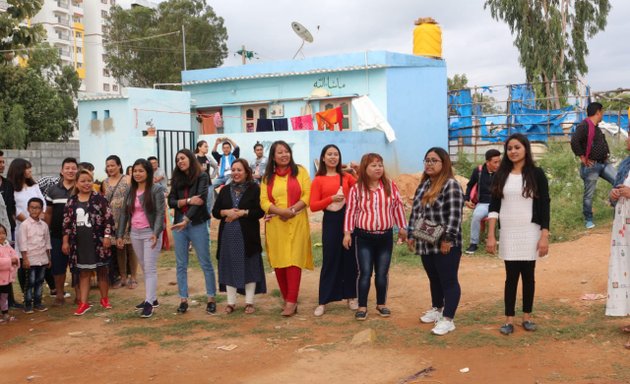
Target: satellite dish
(303,33)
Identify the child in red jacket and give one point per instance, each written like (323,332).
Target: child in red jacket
(9,264)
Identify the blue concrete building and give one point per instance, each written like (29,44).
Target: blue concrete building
(409,91)
(139,123)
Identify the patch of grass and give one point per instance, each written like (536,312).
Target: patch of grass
(17,340)
(134,343)
(275,293)
(116,316)
(621,372)
(174,344)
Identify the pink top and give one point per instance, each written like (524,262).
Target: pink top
(138,218)
(8,271)
(376,213)
(35,241)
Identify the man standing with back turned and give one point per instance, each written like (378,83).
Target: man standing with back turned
(589,143)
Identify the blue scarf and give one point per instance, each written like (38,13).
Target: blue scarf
(622,171)
(229,158)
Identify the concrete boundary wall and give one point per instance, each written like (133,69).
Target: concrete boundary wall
(45,157)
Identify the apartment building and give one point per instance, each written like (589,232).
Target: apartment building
(76,28)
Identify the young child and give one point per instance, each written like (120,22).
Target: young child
(9,264)
(35,249)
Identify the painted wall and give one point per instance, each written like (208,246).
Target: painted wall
(122,135)
(417,110)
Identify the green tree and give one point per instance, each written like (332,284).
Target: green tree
(45,91)
(13,133)
(457,82)
(144,46)
(14,33)
(550,36)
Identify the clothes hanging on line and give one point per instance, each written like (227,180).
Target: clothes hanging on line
(302,123)
(328,119)
(368,116)
(269,125)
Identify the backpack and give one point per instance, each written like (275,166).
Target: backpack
(474,192)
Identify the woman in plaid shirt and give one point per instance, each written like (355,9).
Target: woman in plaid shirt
(439,198)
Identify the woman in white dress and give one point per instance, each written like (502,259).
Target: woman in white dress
(618,303)
(520,200)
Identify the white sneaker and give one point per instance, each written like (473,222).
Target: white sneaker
(431,316)
(319,311)
(353,304)
(443,326)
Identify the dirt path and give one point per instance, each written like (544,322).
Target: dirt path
(576,343)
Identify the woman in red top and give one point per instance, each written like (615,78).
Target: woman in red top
(329,189)
(374,207)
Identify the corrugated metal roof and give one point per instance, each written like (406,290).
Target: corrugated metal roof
(286,74)
(101,97)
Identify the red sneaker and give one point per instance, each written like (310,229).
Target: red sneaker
(105,303)
(83,307)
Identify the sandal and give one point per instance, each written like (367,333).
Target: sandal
(249,309)
(229,309)
(625,329)
(133,284)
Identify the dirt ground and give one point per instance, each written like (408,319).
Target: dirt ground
(575,343)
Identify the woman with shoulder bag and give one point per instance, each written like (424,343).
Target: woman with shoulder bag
(435,229)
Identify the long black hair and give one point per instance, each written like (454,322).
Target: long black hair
(180,177)
(16,174)
(270,170)
(530,188)
(321,169)
(148,196)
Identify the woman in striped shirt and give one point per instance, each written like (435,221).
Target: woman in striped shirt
(374,206)
(439,198)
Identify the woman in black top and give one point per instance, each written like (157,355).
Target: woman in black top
(239,250)
(189,191)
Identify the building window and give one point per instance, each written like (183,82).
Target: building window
(103,14)
(79,65)
(346,109)
(104,1)
(106,87)
(112,2)
(79,50)
(250,115)
(115,87)
(78,35)
(104,58)
(106,114)
(94,115)
(105,72)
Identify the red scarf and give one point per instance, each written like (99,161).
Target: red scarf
(294,190)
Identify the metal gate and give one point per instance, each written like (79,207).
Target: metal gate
(168,143)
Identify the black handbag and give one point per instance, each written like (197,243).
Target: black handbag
(427,231)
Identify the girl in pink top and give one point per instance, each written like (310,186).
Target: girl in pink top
(9,264)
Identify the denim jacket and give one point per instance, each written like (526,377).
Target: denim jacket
(155,217)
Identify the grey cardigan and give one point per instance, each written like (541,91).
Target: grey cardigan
(155,217)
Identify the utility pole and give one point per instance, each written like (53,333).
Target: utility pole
(184,43)
(243,55)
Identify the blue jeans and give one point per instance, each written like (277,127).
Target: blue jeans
(34,284)
(590,175)
(200,238)
(480,212)
(374,253)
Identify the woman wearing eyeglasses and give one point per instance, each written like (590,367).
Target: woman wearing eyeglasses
(439,198)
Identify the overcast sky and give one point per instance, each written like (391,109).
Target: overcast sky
(473,43)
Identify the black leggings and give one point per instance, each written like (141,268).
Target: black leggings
(514,269)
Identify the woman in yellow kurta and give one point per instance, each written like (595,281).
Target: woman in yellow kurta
(284,195)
